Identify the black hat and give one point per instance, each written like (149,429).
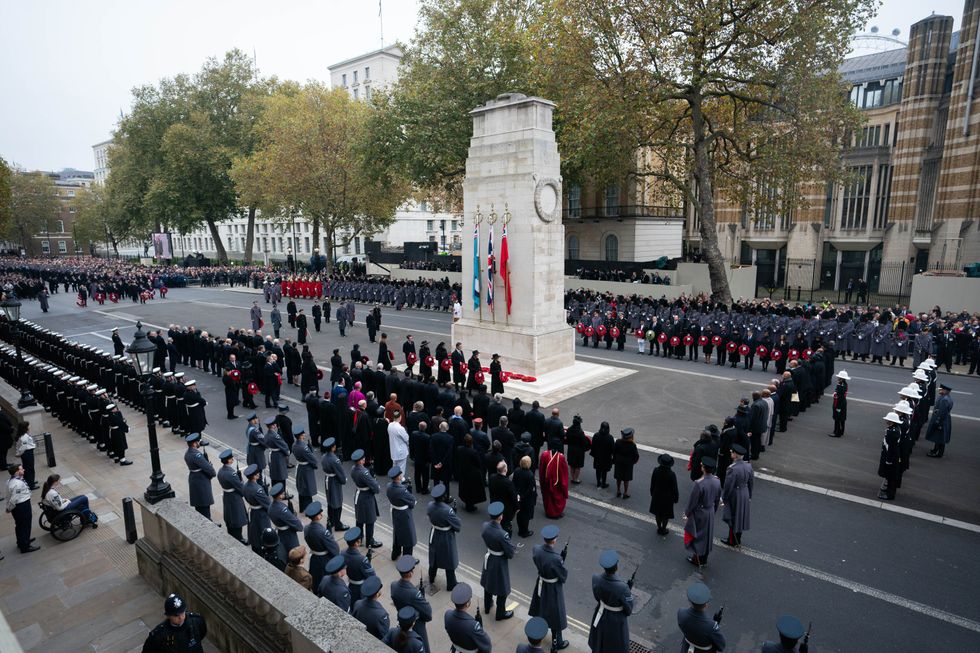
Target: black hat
(627,433)
(789,627)
(174,605)
(270,537)
(666,460)
(709,463)
(739,449)
(536,629)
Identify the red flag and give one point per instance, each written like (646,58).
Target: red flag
(505,267)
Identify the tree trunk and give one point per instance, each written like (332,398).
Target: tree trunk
(249,235)
(219,247)
(720,291)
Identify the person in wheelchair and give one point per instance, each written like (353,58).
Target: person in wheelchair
(52,499)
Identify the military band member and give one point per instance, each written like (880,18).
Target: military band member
(790,632)
(495,578)
(465,632)
(321,543)
(232,496)
(404,594)
(365,498)
(840,404)
(402,502)
(548,597)
(609,629)
(259,503)
(287,523)
(332,587)
(306,464)
(403,638)
(700,632)
(334,481)
(116,424)
(358,566)
(199,475)
(442,536)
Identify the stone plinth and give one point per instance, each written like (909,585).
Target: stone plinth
(513,174)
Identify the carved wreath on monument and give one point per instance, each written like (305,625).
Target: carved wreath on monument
(547,198)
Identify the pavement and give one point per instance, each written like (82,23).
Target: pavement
(821,546)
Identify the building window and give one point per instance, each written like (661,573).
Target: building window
(455,225)
(430,225)
(573,247)
(575,203)
(71,209)
(869,137)
(856,197)
(273,244)
(343,80)
(45,247)
(367,73)
(885,134)
(61,226)
(71,193)
(356,95)
(355,76)
(306,244)
(357,245)
(62,247)
(367,92)
(612,202)
(612,247)
(882,196)
(828,207)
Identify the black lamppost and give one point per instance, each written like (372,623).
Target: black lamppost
(141,352)
(11,308)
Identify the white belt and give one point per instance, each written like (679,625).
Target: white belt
(602,608)
(399,507)
(190,405)
(318,553)
(192,471)
(486,556)
(330,475)
(437,528)
(544,580)
(304,463)
(357,496)
(354,582)
(694,647)
(228,489)
(282,528)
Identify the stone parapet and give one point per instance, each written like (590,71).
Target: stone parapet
(250,606)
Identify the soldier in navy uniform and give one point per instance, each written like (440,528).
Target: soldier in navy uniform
(402,502)
(464,631)
(368,609)
(279,458)
(840,404)
(700,632)
(406,595)
(232,496)
(332,587)
(306,464)
(194,404)
(199,475)
(403,638)
(609,630)
(181,632)
(442,536)
(358,567)
(790,632)
(259,502)
(335,480)
(287,523)
(548,597)
(535,630)
(495,578)
(365,498)
(322,545)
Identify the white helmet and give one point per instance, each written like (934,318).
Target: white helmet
(931,362)
(920,375)
(893,418)
(844,375)
(902,407)
(911,391)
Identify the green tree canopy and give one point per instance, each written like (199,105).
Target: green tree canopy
(5,181)
(33,206)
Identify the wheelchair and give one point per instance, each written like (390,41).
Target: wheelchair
(64,525)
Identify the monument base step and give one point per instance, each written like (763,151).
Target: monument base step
(554,387)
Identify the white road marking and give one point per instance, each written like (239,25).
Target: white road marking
(894,599)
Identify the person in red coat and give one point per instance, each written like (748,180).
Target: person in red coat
(553,475)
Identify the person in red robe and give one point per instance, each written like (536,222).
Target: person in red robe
(553,472)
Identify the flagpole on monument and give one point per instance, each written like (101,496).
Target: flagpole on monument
(477,269)
(491,278)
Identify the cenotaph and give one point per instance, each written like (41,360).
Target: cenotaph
(513,187)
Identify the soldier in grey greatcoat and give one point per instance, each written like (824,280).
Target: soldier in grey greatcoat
(365,498)
(700,513)
(609,629)
(405,593)
(306,464)
(548,597)
(464,631)
(279,458)
(199,475)
(232,496)
(368,609)
(334,481)
(284,521)
(701,633)
(402,502)
(358,566)
(737,495)
(258,501)
(320,542)
(442,536)
(495,578)
(332,587)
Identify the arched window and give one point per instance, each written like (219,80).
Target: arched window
(573,247)
(612,247)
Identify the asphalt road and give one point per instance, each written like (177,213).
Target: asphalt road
(868,578)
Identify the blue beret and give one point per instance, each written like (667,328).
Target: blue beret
(461,594)
(329,442)
(407,616)
(370,586)
(405,564)
(536,628)
(698,594)
(438,490)
(549,532)
(193,437)
(495,509)
(335,564)
(357,455)
(226,454)
(394,471)
(608,559)
(251,470)
(313,509)
(351,535)
(789,627)
(277,489)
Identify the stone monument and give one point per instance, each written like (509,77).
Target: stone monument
(513,182)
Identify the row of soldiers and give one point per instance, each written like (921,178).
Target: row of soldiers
(435,295)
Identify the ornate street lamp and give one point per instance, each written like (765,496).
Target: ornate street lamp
(11,308)
(141,352)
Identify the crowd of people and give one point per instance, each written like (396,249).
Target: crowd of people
(625,276)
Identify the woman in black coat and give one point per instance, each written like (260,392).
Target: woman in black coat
(496,383)
(527,492)
(663,492)
(602,454)
(469,465)
(578,444)
(625,456)
(308,381)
